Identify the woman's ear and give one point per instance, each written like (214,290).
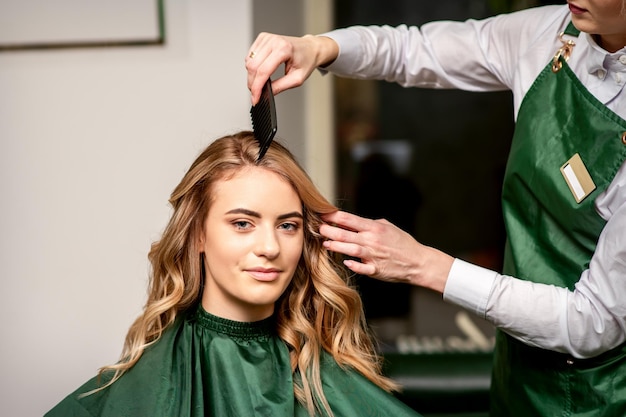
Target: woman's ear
(200,241)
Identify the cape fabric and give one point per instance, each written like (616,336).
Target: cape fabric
(204,365)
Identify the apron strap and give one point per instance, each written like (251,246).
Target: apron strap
(571,30)
(564,51)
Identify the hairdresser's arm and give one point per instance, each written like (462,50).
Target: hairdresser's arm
(585,322)
(301,55)
(474,55)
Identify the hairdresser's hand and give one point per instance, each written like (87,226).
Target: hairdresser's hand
(386,252)
(301,55)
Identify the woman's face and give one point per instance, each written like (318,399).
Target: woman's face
(604,18)
(252,240)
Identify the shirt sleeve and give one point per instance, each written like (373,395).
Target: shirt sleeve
(584,322)
(474,55)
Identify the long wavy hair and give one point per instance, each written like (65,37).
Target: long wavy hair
(319,310)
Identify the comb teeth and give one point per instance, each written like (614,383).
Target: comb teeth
(264,119)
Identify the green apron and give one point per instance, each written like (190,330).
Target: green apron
(551,239)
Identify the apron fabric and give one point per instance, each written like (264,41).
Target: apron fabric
(551,239)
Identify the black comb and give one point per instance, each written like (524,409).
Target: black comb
(264,119)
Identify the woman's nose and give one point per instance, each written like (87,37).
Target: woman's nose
(267,243)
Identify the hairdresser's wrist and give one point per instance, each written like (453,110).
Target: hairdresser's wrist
(433,269)
(326,50)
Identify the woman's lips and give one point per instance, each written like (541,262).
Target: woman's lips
(575,9)
(262,274)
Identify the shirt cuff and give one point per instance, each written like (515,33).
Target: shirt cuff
(469,286)
(348,42)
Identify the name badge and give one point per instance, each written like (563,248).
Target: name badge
(577,178)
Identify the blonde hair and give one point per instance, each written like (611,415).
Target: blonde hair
(319,310)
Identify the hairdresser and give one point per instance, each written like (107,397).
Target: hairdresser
(560,303)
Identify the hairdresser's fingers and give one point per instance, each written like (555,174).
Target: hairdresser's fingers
(349,249)
(389,253)
(305,54)
(294,77)
(266,54)
(256,77)
(300,55)
(338,233)
(349,221)
(385,251)
(366,262)
(360,268)
(256,65)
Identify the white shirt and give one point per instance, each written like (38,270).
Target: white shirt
(500,53)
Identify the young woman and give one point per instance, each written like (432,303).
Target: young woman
(247,313)
(561,302)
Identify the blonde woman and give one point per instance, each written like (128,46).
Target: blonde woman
(247,313)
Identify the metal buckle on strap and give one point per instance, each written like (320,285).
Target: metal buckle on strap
(564,51)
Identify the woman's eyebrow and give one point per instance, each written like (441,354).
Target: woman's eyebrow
(290,215)
(244,211)
(256,214)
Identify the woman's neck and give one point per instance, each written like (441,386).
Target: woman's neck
(236,312)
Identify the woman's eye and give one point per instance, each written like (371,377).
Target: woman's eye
(289,226)
(242,224)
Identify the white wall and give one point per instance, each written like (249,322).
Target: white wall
(91,144)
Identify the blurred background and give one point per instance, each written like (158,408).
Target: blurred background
(103,106)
